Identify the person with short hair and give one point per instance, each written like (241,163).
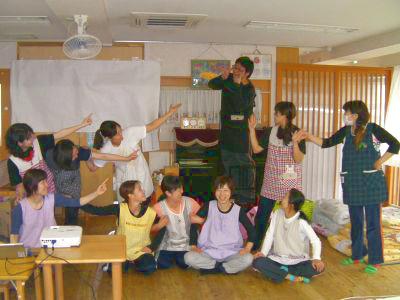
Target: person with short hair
(180,235)
(220,246)
(36,211)
(237,103)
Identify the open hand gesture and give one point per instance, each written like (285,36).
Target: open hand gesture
(252,122)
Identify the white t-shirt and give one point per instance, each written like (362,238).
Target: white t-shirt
(133,170)
(307,235)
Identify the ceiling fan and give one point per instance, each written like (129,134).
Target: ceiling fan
(82,45)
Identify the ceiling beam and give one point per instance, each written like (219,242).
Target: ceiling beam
(373,46)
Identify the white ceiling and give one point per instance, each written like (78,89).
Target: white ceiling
(110,21)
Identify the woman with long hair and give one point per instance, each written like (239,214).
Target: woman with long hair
(363,181)
(283,170)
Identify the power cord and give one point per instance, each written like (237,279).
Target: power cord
(73,266)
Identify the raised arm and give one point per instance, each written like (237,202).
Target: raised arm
(67,131)
(335,139)
(114,157)
(253,137)
(217,83)
(101,189)
(297,138)
(158,122)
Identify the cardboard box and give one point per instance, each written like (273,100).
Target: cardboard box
(6,207)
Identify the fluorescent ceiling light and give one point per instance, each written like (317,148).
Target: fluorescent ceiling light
(17,37)
(24,20)
(298,27)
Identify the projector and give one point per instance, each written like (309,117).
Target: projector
(61,236)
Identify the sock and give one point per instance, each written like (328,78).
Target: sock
(294,278)
(284,268)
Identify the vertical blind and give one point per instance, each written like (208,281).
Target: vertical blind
(319,93)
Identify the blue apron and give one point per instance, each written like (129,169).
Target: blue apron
(361,183)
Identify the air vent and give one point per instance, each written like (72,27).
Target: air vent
(24,20)
(166,20)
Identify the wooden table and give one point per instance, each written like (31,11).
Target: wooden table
(94,249)
(19,270)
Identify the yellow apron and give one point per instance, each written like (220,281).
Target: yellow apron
(136,230)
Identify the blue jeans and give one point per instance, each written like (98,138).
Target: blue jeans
(145,264)
(264,210)
(166,259)
(374,232)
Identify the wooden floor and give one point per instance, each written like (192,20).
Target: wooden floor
(336,283)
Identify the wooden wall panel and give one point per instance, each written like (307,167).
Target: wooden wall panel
(287,55)
(5,110)
(54,51)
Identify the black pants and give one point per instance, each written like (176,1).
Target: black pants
(241,167)
(145,264)
(71,215)
(277,273)
(265,207)
(167,258)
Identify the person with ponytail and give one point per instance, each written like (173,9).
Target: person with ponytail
(285,253)
(64,162)
(111,138)
(283,170)
(27,151)
(363,181)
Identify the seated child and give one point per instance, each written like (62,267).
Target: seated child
(135,220)
(180,233)
(220,244)
(285,252)
(36,211)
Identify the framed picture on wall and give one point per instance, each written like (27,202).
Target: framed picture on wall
(262,65)
(202,70)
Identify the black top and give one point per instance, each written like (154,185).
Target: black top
(46,142)
(381,134)
(113,209)
(236,99)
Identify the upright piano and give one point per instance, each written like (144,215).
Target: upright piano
(198,156)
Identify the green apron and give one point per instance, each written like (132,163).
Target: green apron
(361,183)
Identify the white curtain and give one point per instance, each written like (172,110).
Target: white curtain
(195,103)
(392,124)
(53,94)
(319,167)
